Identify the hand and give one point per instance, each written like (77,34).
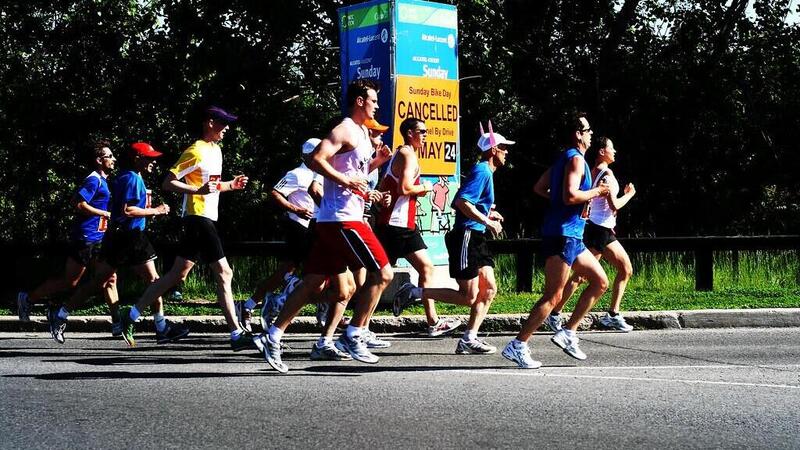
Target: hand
(106,214)
(495,227)
(356,184)
(602,189)
(386,199)
(630,189)
(162,209)
(304,213)
(207,188)
(494,215)
(383,152)
(239,182)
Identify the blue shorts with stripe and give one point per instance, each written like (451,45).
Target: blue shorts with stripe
(467,253)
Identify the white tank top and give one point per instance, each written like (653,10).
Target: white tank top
(340,204)
(601,212)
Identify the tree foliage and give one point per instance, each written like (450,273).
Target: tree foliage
(700,96)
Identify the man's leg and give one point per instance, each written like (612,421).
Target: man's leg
(177,273)
(272,282)
(421,262)
(556,273)
(553,320)
(339,291)
(68,279)
(57,318)
(223,274)
(367,297)
(587,266)
(111,296)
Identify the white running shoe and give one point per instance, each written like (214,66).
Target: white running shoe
(616,323)
(329,352)
(553,321)
(443,326)
(475,346)
(372,341)
(569,345)
(521,356)
(272,354)
(23,307)
(357,349)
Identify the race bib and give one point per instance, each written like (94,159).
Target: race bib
(102,224)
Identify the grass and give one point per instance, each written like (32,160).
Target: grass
(662,281)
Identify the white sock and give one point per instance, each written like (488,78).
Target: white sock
(236,333)
(160,321)
(353,332)
(518,344)
(275,334)
(63,313)
(135,314)
(323,342)
(569,332)
(250,303)
(470,335)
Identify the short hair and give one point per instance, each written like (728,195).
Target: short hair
(571,125)
(410,123)
(359,88)
(98,146)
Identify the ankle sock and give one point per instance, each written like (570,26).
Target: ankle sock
(569,332)
(275,334)
(236,334)
(63,313)
(323,342)
(518,344)
(470,335)
(613,314)
(160,321)
(134,314)
(352,332)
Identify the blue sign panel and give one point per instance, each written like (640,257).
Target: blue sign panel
(427,39)
(365,37)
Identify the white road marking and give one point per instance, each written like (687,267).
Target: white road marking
(541,374)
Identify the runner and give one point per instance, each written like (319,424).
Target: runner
(601,240)
(200,166)
(397,226)
(127,244)
(291,194)
(471,263)
(568,186)
(344,158)
(91,202)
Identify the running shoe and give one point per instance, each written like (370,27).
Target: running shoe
(128,327)
(329,352)
(475,346)
(322,314)
(172,333)
(244,341)
(372,341)
(553,321)
(57,325)
(615,322)
(357,348)
(568,344)
(244,316)
(521,356)
(23,307)
(443,326)
(272,354)
(403,298)
(116,329)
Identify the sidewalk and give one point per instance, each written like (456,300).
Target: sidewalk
(496,323)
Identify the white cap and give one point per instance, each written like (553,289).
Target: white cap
(484,141)
(310,145)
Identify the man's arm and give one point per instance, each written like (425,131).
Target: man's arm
(469,210)
(315,191)
(88,210)
(284,203)
(406,164)
(573,174)
(339,138)
(135,211)
(542,186)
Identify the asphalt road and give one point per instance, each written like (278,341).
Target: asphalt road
(646,389)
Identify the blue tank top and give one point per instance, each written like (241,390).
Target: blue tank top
(561,219)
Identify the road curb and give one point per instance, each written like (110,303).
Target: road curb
(642,320)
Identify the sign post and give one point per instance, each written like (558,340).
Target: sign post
(411,48)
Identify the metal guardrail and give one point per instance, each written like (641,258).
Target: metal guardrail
(703,248)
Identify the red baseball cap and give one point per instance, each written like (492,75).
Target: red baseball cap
(144,149)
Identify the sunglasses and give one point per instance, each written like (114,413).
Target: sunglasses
(586,130)
(423,131)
